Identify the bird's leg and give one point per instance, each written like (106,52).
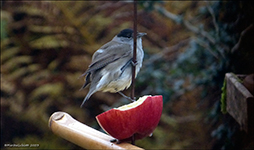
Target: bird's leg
(127,97)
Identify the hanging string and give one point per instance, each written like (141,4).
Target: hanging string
(134,58)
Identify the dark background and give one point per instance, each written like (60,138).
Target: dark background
(190,45)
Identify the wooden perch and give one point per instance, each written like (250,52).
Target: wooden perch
(63,125)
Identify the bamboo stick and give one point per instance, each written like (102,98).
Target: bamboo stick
(63,125)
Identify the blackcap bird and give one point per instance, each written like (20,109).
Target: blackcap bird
(111,66)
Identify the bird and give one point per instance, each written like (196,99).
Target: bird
(111,66)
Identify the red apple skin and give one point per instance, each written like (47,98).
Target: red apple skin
(140,120)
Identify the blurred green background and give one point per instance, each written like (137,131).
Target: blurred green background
(190,45)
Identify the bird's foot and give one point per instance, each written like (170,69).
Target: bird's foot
(134,63)
(127,97)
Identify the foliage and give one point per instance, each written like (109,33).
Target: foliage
(47,45)
(223,97)
(208,56)
(201,61)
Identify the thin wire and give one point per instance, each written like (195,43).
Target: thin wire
(134,59)
(134,50)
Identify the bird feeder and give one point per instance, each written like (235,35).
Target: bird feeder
(63,125)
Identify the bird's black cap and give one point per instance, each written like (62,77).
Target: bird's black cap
(126,33)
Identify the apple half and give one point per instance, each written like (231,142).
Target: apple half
(138,118)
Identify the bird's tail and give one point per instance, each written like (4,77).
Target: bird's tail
(89,94)
(88,80)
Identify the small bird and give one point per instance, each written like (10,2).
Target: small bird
(111,66)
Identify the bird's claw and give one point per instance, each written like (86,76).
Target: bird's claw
(127,97)
(134,63)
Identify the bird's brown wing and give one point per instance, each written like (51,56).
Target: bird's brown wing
(108,55)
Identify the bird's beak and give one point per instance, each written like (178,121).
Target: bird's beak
(140,34)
